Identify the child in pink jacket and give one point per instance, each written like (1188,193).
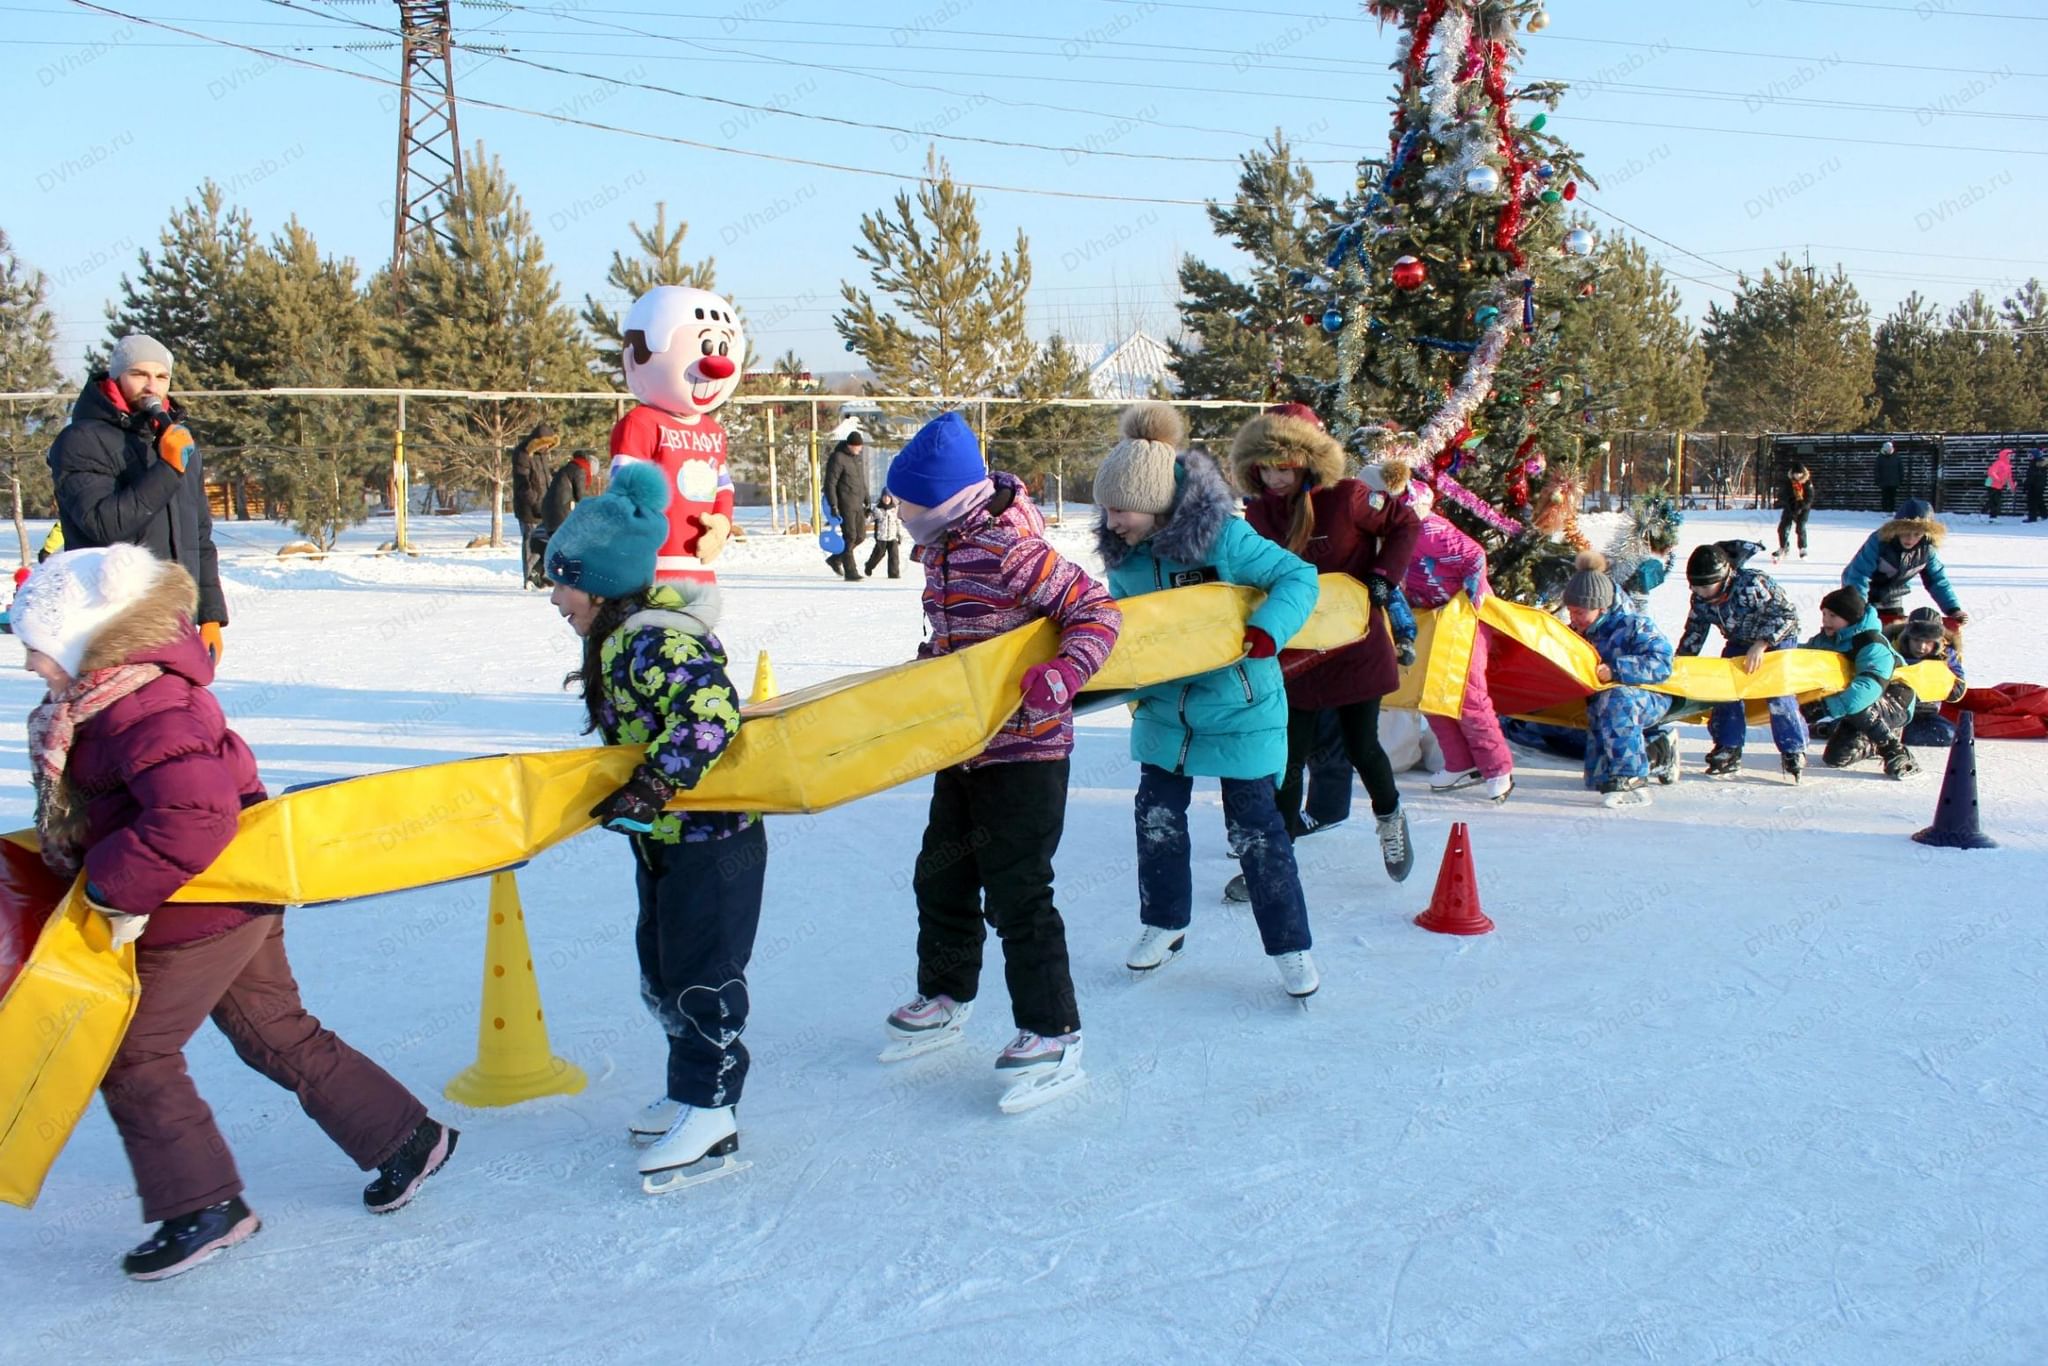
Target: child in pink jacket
(1448,562)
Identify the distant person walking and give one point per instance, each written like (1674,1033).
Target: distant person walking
(1998,483)
(845,492)
(1890,473)
(530,478)
(2037,485)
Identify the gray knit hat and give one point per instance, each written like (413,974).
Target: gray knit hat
(1589,586)
(1137,475)
(135,349)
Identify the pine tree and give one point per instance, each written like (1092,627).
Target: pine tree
(28,363)
(482,312)
(1046,437)
(194,296)
(316,331)
(1983,356)
(659,261)
(1909,369)
(961,333)
(1256,337)
(1791,353)
(1449,270)
(1638,361)
(2025,310)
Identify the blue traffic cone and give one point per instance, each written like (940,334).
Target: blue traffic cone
(1955,814)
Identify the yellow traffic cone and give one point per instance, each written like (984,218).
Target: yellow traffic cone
(513,1061)
(764,680)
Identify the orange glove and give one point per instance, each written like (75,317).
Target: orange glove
(209,632)
(172,446)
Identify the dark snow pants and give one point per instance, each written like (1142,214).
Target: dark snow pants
(241,979)
(987,859)
(700,904)
(1358,727)
(1258,838)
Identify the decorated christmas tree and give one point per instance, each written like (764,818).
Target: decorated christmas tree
(1446,281)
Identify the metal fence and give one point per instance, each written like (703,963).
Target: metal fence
(1946,468)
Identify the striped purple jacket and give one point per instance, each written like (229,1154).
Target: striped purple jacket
(994,572)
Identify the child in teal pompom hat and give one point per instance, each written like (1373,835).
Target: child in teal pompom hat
(654,676)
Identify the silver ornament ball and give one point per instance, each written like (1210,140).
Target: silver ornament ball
(1579,242)
(1539,21)
(1482,180)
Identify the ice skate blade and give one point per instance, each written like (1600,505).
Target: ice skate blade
(903,1050)
(701,1172)
(1029,1095)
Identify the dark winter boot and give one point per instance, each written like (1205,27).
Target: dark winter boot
(1723,760)
(1899,762)
(182,1243)
(1662,751)
(1846,746)
(1793,764)
(418,1158)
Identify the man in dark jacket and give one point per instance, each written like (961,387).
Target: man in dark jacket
(126,471)
(571,485)
(845,491)
(1795,498)
(1889,472)
(529,496)
(2036,485)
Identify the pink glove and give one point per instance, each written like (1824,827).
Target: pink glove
(1051,686)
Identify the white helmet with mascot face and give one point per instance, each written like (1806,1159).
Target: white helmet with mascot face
(683,349)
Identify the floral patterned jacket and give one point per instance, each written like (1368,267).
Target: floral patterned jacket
(665,688)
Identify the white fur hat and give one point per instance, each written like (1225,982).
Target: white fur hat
(71,597)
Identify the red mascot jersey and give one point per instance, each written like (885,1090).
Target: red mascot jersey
(700,481)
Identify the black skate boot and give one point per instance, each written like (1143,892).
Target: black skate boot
(1793,764)
(1662,752)
(1724,761)
(1620,792)
(1899,763)
(418,1158)
(182,1243)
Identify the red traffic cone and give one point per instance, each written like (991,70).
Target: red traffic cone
(1454,905)
(1955,812)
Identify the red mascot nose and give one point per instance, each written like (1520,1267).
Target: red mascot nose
(716,367)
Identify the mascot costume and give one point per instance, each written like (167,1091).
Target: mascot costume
(682,350)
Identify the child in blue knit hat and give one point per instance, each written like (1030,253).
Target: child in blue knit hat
(996,820)
(653,676)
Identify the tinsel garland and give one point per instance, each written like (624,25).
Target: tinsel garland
(1509,226)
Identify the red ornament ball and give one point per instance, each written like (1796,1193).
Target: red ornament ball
(1571,189)
(1409,273)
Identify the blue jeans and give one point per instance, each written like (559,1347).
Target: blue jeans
(1258,837)
(1728,724)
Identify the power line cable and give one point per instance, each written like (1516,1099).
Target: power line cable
(642,133)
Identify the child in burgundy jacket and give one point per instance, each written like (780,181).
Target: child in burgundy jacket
(140,783)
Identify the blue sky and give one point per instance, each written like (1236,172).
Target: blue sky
(1901,138)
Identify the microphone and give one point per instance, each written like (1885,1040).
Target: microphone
(153,409)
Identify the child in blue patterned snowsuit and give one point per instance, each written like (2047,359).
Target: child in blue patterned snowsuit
(1632,651)
(1754,617)
(653,678)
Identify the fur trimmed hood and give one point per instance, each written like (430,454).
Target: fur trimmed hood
(154,620)
(1277,439)
(1202,503)
(1933,530)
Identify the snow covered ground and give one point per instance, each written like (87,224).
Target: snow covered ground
(1746,1076)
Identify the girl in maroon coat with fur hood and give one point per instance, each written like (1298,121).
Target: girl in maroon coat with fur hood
(1293,471)
(140,783)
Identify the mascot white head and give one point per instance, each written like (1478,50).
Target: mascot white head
(683,350)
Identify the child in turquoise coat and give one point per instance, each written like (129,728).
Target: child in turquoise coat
(1170,521)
